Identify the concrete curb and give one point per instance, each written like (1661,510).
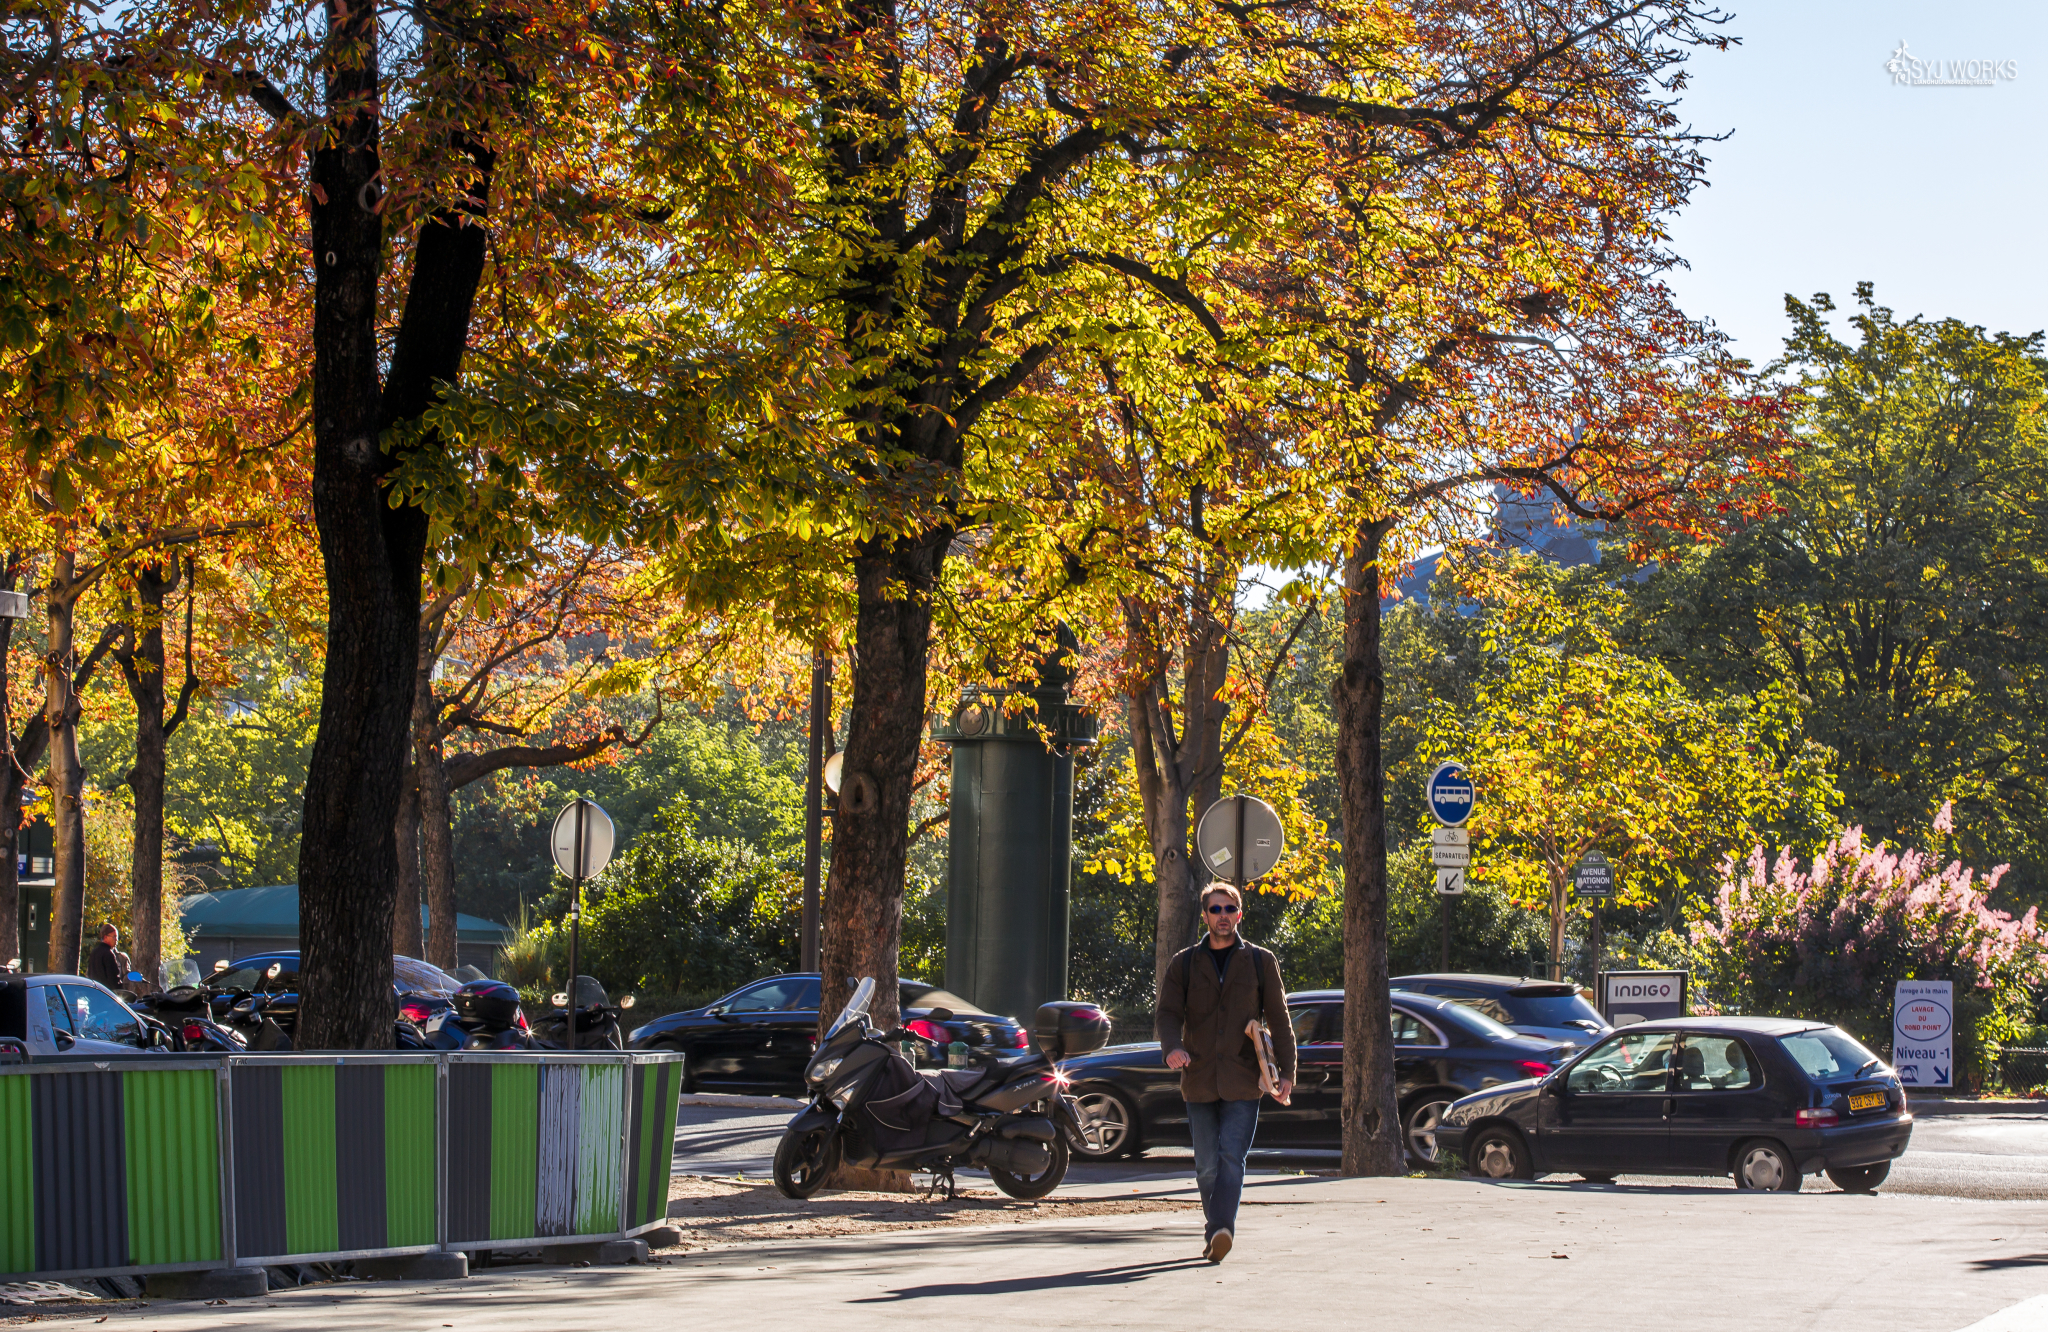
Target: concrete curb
(742,1102)
(1940,1105)
(221,1283)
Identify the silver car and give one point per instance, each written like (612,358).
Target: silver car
(70,1015)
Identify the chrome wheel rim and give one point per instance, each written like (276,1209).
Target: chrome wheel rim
(1422,1126)
(1105,1124)
(1496,1160)
(1762,1168)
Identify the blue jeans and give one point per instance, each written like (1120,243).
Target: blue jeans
(1222,1133)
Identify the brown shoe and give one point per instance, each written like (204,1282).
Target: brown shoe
(1219,1246)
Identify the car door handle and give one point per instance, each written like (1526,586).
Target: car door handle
(1669,1106)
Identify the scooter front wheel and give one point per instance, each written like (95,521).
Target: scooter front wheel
(1028,1187)
(804,1161)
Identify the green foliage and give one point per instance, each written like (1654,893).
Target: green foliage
(1576,745)
(676,915)
(1900,590)
(235,771)
(737,781)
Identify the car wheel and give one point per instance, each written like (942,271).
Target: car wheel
(1418,1128)
(1498,1153)
(1763,1165)
(1860,1179)
(1109,1120)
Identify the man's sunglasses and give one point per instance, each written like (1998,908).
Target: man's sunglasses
(1223,908)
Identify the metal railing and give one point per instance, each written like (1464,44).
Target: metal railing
(175,1162)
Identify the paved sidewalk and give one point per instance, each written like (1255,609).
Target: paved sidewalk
(1338,1253)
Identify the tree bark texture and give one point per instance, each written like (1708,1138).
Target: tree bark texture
(373,552)
(863,907)
(67,772)
(437,853)
(142,665)
(407,938)
(1372,1122)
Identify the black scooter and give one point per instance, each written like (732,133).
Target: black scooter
(600,1024)
(483,1015)
(183,1011)
(870,1108)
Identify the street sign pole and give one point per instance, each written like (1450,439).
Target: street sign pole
(1443,906)
(576,912)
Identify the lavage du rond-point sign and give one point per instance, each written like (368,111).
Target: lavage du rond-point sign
(1923,1033)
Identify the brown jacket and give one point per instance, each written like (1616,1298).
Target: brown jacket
(1207,1018)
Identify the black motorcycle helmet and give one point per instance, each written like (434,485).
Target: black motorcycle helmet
(489,1001)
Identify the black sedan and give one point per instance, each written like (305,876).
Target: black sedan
(1442,1050)
(760,1037)
(1768,1100)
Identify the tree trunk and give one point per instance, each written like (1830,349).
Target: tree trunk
(142,666)
(885,725)
(1372,1125)
(437,853)
(1163,801)
(407,939)
(67,773)
(373,552)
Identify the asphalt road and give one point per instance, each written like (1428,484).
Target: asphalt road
(1990,1156)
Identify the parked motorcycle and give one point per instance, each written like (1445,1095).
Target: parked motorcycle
(182,1008)
(485,1015)
(600,1024)
(871,1108)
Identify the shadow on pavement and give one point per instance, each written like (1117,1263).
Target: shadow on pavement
(1101,1276)
(1998,1264)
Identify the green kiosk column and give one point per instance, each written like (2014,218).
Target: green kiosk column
(1010,843)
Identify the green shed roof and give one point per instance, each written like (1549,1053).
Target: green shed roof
(273,912)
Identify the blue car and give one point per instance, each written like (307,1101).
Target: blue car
(1767,1100)
(1551,1009)
(1130,1099)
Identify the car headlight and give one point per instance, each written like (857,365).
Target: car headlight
(825,1068)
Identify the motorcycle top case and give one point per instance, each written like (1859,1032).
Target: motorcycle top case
(1069,1028)
(489,1001)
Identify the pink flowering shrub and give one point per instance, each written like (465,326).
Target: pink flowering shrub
(1829,942)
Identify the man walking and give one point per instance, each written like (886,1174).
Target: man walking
(1208,995)
(104,964)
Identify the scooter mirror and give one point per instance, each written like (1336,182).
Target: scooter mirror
(275,970)
(135,978)
(560,1001)
(626,1002)
(221,965)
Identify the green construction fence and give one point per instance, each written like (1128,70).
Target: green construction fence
(179,1162)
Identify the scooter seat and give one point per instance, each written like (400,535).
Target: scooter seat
(962,1082)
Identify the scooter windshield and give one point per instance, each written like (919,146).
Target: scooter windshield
(855,1007)
(184,971)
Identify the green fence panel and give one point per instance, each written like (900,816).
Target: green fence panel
(312,1212)
(173,1139)
(515,1149)
(17,1177)
(409,1116)
(597,1148)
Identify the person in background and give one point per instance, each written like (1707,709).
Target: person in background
(106,965)
(1208,995)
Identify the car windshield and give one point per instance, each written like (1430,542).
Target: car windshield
(255,975)
(1563,1010)
(1830,1053)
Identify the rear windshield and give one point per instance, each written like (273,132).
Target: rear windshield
(1562,1010)
(1830,1053)
(928,997)
(1473,1021)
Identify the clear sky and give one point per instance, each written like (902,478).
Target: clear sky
(1835,174)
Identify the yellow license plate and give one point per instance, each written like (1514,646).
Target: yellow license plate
(1862,1101)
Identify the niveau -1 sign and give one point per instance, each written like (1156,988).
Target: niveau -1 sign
(1924,1033)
